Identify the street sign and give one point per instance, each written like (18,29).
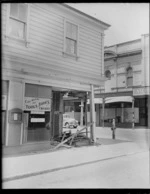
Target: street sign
(141,91)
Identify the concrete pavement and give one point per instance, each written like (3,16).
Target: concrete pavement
(16,167)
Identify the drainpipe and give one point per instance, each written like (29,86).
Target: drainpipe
(102,39)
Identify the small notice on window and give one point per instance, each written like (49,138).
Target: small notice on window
(15,116)
(37,120)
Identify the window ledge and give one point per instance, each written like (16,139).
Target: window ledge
(65,54)
(17,40)
(123,87)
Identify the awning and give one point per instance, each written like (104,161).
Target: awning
(112,99)
(96,101)
(118,99)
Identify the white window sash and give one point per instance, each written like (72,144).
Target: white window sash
(65,36)
(26,25)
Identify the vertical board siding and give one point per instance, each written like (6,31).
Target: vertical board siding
(46,37)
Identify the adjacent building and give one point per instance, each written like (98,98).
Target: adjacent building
(127,86)
(48,50)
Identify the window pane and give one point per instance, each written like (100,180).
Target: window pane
(22,12)
(129,72)
(68,30)
(44,92)
(14,10)
(74,32)
(16,28)
(31,90)
(70,46)
(4,87)
(108,74)
(71,31)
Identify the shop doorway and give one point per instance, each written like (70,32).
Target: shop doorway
(143,116)
(37,113)
(141,103)
(36,126)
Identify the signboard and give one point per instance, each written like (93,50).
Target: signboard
(141,91)
(37,104)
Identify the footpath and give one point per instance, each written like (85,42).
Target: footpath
(17,167)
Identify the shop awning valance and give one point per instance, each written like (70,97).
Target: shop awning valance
(112,99)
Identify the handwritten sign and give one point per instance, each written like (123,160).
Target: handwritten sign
(37,104)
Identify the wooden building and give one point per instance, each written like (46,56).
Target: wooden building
(127,86)
(47,50)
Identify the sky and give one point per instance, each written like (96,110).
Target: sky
(128,20)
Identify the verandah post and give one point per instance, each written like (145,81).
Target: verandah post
(92,111)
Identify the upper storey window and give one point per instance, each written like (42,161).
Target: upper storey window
(18,20)
(71,38)
(129,76)
(108,74)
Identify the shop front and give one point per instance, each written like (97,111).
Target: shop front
(141,95)
(37,111)
(128,111)
(29,124)
(120,108)
(34,118)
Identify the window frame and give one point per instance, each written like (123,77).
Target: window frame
(26,25)
(65,37)
(128,76)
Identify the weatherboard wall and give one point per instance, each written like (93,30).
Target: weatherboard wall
(42,59)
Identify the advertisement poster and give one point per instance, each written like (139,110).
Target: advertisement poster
(37,104)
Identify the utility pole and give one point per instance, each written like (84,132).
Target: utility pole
(92,113)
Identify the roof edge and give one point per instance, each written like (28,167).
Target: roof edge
(84,14)
(122,43)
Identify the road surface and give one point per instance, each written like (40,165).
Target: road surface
(131,171)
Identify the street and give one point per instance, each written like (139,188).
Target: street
(140,136)
(131,171)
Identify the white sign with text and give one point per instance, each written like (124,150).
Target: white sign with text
(37,104)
